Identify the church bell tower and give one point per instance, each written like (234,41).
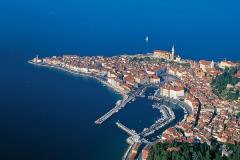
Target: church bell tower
(173,52)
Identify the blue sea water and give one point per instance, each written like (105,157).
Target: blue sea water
(49,114)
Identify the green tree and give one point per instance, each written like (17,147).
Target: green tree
(238,114)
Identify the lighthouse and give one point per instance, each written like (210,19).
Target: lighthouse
(36,59)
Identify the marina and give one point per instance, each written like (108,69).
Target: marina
(167,117)
(152,91)
(135,139)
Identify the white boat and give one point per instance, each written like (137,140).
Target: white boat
(147,39)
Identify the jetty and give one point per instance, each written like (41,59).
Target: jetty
(131,132)
(119,105)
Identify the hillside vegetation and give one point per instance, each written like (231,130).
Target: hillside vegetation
(223,85)
(186,151)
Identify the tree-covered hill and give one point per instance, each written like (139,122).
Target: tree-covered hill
(186,151)
(220,83)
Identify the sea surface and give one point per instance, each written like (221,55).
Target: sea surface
(47,114)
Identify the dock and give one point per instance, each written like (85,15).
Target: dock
(168,116)
(124,128)
(119,105)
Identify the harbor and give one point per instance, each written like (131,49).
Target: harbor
(136,140)
(167,117)
(146,91)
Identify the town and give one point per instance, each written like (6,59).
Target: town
(184,82)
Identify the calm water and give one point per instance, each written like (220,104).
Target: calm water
(48,114)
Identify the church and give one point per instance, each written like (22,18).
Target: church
(165,54)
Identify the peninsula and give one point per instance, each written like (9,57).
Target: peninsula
(177,82)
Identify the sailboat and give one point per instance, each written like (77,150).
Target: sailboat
(147,39)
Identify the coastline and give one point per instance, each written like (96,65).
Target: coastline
(123,94)
(116,90)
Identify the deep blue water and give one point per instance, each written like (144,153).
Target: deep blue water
(48,114)
(199,29)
